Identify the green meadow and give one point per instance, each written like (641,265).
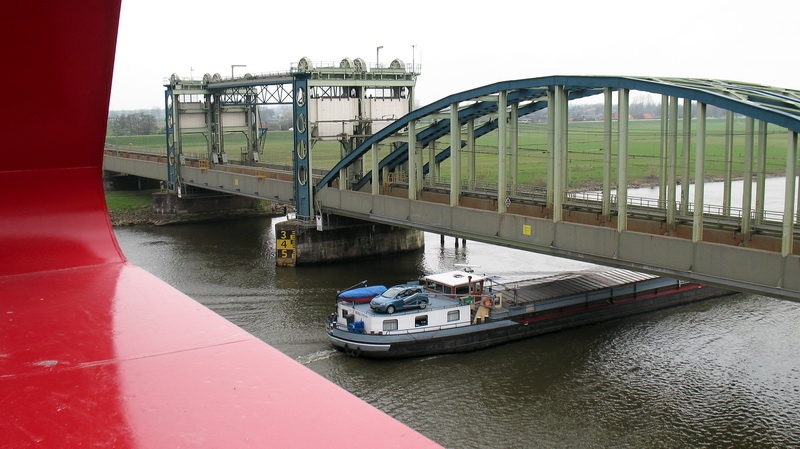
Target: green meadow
(117,200)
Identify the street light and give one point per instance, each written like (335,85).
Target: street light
(235,65)
(378,57)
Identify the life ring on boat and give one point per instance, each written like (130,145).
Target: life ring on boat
(487,302)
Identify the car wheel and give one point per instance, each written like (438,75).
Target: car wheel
(422,305)
(390,309)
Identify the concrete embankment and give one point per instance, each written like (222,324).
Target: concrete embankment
(132,217)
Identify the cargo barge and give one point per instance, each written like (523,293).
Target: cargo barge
(461,311)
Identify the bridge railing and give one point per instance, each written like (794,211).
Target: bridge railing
(658,207)
(122,150)
(592,200)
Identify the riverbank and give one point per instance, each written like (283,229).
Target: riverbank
(143,215)
(135,208)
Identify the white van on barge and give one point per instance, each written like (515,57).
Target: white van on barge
(460,311)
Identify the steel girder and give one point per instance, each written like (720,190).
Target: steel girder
(264,94)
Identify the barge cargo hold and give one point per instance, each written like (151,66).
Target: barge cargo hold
(465,311)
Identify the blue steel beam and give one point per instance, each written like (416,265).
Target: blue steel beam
(169,110)
(303,196)
(442,128)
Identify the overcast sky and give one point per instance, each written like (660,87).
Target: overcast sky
(458,46)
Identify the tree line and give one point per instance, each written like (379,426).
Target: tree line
(145,123)
(133,124)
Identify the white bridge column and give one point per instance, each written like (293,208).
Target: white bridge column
(565,173)
(687,155)
(607,139)
(559,148)
(622,161)
(747,184)
(787,241)
(699,176)
(663,160)
(502,132)
(455,156)
(551,118)
(513,162)
(412,160)
(672,161)
(761,175)
(728,173)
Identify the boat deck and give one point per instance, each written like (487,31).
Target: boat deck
(566,284)
(532,291)
(437,301)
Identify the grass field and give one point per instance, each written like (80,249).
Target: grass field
(128,199)
(585,155)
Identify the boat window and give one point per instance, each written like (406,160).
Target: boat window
(390,325)
(453,315)
(421,320)
(462,289)
(393,292)
(435,286)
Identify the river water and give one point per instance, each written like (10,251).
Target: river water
(721,373)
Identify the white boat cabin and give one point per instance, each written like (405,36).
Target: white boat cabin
(457,284)
(451,297)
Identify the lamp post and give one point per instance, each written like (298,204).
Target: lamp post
(378,57)
(236,65)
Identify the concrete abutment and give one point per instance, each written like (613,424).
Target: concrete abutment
(169,208)
(300,242)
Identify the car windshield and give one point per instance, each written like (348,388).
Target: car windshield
(393,291)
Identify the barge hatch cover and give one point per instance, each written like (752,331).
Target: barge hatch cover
(567,284)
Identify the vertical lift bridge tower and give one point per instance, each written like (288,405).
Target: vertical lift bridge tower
(346,102)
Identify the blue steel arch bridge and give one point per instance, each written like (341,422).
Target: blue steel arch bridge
(419,168)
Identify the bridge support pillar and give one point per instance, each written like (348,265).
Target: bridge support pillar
(301,242)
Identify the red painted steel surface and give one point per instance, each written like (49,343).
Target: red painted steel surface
(95,352)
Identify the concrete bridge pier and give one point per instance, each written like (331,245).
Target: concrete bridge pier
(332,238)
